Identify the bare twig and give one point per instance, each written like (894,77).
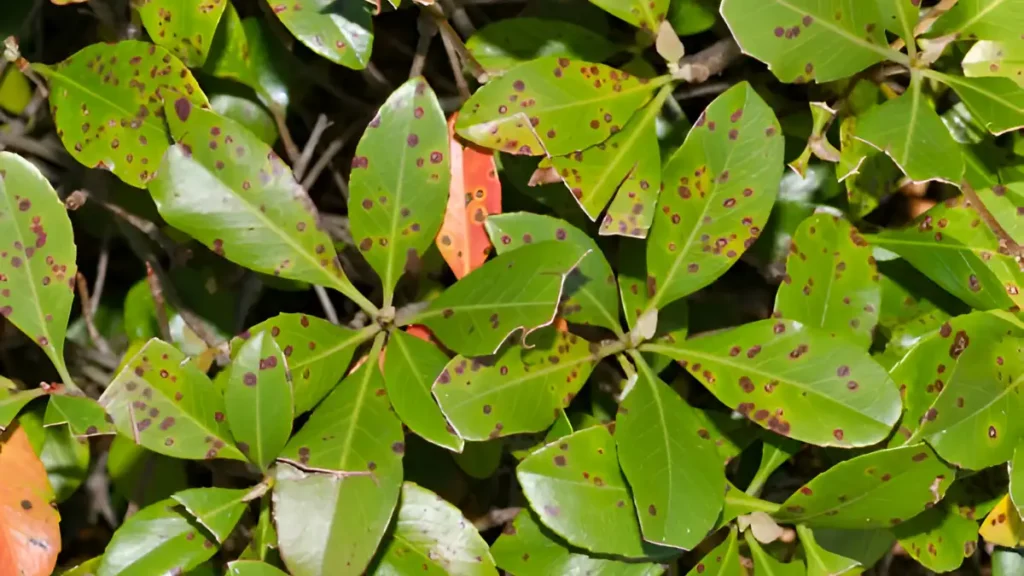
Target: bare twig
(158,302)
(325,301)
(495,517)
(286,136)
(87,312)
(322,123)
(702,90)
(332,150)
(101,274)
(709,62)
(455,42)
(453,58)
(98,486)
(427,29)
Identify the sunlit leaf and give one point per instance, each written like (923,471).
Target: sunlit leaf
(342,32)
(217,509)
(410,368)
(1003,525)
(988,58)
(938,538)
(29,536)
(13,400)
(723,560)
(258,399)
(156,540)
(504,44)
(983,19)
(767,565)
(644,14)
(83,415)
(998,103)
(248,113)
(229,55)
(186,29)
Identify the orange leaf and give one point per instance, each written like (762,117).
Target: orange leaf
(475,193)
(29,531)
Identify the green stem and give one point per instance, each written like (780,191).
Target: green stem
(354,295)
(69,383)
(378,345)
(756,504)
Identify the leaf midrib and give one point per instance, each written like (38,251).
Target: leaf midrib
(827,24)
(650,86)
(977,17)
(533,375)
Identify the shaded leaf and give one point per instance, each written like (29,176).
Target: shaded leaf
(162,401)
(590,295)
(29,535)
(480,460)
(723,560)
(503,44)
(938,538)
(217,509)
(432,536)
(474,194)
(66,460)
(804,40)
(690,17)
(794,380)
(998,103)
(519,390)
(720,187)
(13,400)
(331,523)
(516,291)
(644,14)
(989,58)
(560,106)
(141,476)
(397,197)
(831,280)
(83,415)
(107,103)
(271,66)
(185,29)
(821,561)
(1017,478)
(38,263)
(876,490)
(158,539)
(258,399)
(252,568)
(248,113)
(229,54)
(676,475)
(817,143)
(983,19)
(410,368)
(766,565)
(223,186)
(342,32)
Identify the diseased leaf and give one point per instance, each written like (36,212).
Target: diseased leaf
(13,400)
(432,536)
(577,490)
(258,399)
(644,14)
(912,134)
(249,113)
(29,535)
(37,257)
(331,523)
(767,565)
(252,568)
(166,404)
(501,45)
(1003,525)
(938,538)
(553,106)
(223,186)
(804,40)
(410,368)
(723,560)
(997,103)
(787,377)
(517,290)
(342,31)
(317,353)
(83,415)
(186,29)
(519,390)
(989,58)
(720,187)
(676,475)
(900,17)
(983,19)
(271,65)
(527,547)
(474,194)
(590,296)
(158,539)
(107,103)
(352,432)
(217,509)
(229,54)
(876,490)
(398,196)
(831,280)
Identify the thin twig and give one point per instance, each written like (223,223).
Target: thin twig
(101,274)
(302,162)
(87,311)
(710,61)
(325,301)
(453,58)
(332,150)
(495,517)
(286,136)
(427,29)
(456,43)
(158,302)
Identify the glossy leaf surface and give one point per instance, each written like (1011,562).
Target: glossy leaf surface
(644,14)
(342,32)
(166,404)
(719,190)
(410,368)
(13,400)
(989,58)
(785,377)
(561,106)
(217,509)
(106,101)
(84,416)
(399,181)
(504,44)
(1016,491)
(938,538)
(998,103)
(29,535)
(160,538)
(258,399)
(519,290)
(983,19)
(186,29)
(723,560)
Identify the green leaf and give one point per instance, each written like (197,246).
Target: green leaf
(166,404)
(775,451)
(107,103)
(689,17)
(13,400)
(909,131)
(248,113)
(252,568)
(794,380)
(264,535)
(274,75)
(817,142)
(767,565)
(520,390)
(317,353)
(1007,562)
(519,290)
(229,55)
(1017,478)
(332,523)
(900,17)
(353,431)
(578,491)
(983,20)
(258,399)
(223,186)
(720,187)
(83,415)
(553,106)
(853,547)
(831,280)
(399,182)
(480,460)
(526,547)
(342,32)
(644,14)
(66,460)
(87,568)
(988,58)
(590,294)
(676,475)
(877,490)
(410,368)
(431,536)
(502,45)
(804,40)
(141,476)
(217,509)
(723,560)
(998,103)
(938,538)
(952,246)
(821,561)
(38,263)
(185,29)
(158,539)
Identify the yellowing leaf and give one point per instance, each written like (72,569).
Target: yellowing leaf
(1003,526)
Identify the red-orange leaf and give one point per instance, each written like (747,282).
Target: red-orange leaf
(29,531)
(474,194)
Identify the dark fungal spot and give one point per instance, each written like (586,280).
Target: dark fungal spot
(960,343)
(560,460)
(398,447)
(652,510)
(26,505)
